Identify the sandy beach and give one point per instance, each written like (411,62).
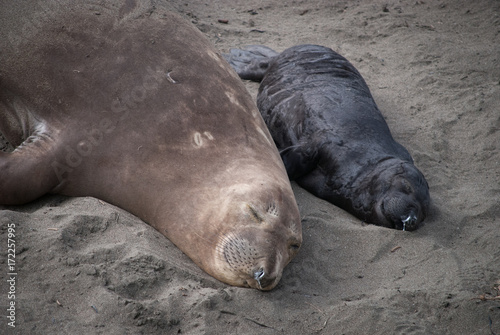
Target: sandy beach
(87,267)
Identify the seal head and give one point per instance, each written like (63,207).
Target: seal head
(262,238)
(405,197)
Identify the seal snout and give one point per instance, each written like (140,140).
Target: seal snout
(253,258)
(401,212)
(264,281)
(410,222)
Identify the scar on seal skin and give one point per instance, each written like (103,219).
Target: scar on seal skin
(331,135)
(135,107)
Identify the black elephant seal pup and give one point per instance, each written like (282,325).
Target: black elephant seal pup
(331,135)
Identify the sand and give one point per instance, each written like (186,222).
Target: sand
(86,267)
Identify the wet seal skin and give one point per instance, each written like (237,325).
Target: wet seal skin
(331,135)
(135,107)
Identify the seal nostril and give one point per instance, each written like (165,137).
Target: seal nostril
(410,220)
(259,274)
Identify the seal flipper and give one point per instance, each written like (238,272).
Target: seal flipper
(252,62)
(26,173)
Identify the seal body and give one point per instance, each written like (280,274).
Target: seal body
(135,107)
(332,137)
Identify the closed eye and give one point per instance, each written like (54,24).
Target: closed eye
(407,187)
(255,214)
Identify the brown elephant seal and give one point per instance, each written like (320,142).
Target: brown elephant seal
(332,137)
(135,107)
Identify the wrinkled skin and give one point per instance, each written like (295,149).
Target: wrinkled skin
(331,135)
